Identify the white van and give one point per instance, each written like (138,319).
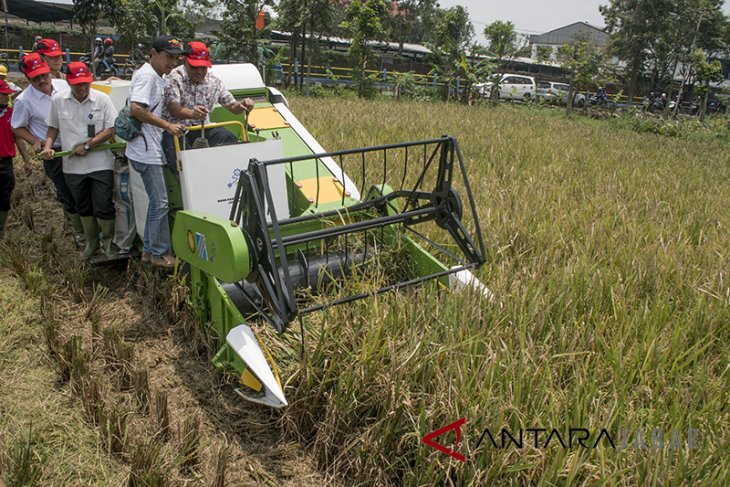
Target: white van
(512,87)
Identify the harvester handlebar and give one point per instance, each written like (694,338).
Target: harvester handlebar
(241,125)
(112,146)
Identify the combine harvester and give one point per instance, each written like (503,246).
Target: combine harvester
(275,227)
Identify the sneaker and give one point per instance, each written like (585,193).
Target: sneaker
(166,261)
(146,257)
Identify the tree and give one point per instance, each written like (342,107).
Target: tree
(363,23)
(133,25)
(661,34)
(300,17)
(290,18)
(87,13)
(451,39)
(428,14)
(504,43)
(544,54)
(238,28)
(703,27)
(399,27)
(583,62)
(474,69)
(706,72)
(632,25)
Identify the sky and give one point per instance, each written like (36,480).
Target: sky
(533,16)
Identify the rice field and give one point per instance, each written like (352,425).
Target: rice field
(607,250)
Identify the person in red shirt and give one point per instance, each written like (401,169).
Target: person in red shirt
(7,152)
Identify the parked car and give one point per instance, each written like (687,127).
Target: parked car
(553,92)
(511,87)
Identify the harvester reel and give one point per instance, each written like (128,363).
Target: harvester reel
(286,252)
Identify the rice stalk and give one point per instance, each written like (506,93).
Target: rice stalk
(189,444)
(162,415)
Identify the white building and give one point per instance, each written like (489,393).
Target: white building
(564,35)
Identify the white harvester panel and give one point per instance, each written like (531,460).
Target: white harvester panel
(209,176)
(118,90)
(238,76)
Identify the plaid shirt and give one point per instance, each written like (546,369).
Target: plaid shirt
(182,90)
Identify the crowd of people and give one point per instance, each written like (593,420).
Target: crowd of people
(58,112)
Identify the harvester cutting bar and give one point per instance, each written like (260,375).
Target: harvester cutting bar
(329,217)
(385,289)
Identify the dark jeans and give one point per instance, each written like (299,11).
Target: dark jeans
(54,171)
(216,136)
(93,193)
(7,182)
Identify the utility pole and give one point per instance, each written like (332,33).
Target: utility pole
(5,9)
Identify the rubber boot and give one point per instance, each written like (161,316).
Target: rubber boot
(3,219)
(107,235)
(74,221)
(91,232)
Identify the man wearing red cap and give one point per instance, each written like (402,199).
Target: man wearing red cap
(7,152)
(85,118)
(51,53)
(30,110)
(191,94)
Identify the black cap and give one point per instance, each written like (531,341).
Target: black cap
(168,43)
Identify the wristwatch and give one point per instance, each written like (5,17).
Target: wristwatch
(87,147)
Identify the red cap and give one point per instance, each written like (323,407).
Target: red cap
(197,54)
(49,47)
(4,88)
(78,72)
(32,65)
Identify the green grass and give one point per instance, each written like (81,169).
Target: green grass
(608,251)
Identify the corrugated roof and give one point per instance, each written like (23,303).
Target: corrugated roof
(47,11)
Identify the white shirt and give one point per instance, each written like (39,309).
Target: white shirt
(147,88)
(73,118)
(31,107)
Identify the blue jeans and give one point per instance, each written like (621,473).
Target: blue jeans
(157,228)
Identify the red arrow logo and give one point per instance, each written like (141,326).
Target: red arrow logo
(456,425)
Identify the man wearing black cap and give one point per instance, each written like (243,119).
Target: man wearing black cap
(145,151)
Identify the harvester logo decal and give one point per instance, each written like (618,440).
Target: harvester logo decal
(234,178)
(201,245)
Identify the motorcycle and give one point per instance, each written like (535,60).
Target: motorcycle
(87,60)
(132,64)
(106,68)
(598,99)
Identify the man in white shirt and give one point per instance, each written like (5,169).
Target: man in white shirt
(85,118)
(30,110)
(145,151)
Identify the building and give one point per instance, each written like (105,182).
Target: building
(551,41)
